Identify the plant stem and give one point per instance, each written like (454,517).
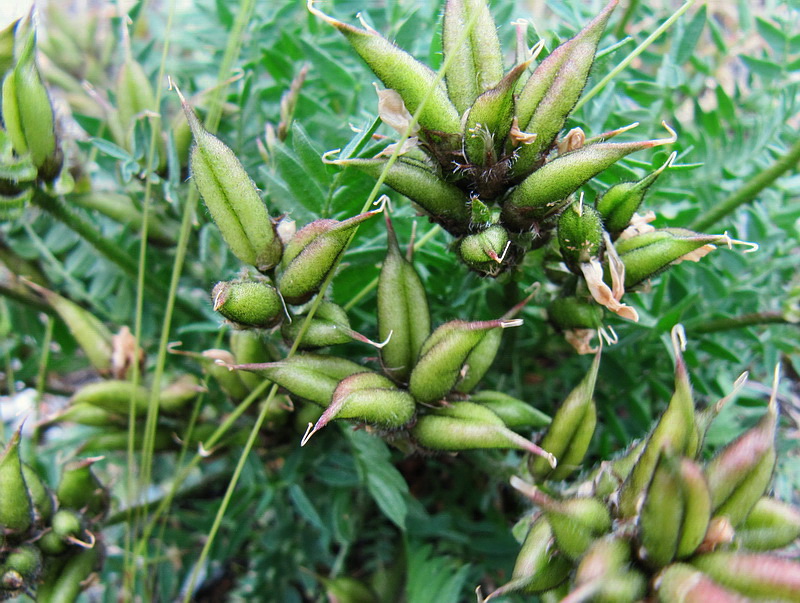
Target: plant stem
(109,250)
(739,322)
(750,190)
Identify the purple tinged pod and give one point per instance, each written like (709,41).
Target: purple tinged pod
(684,583)
(515,413)
(403,315)
(329,326)
(762,577)
(477,59)
(771,524)
(401,72)
(312,253)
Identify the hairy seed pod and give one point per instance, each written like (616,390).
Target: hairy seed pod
(515,413)
(248,347)
(753,575)
(569,435)
(739,475)
(618,204)
(477,62)
(575,313)
(606,556)
(548,106)
(311,255)
(16,508)
(469,426)
(232,199)
(402,73)
(661,514)
(41,496)
(229,381)
(66,584)
(309,376)
(603,574)
(489,120)
(113,395)
(539,567)
(329,326)
(544,192)
(676,430)
(248,303)
(696,507)
(118,439)
(649,254)
(402,311)
(21,568)
(87,414)
(576,522)
(580,235)
(368,397)
(79,488)
(445,203)
(177,395)
(685,584)
(484,251)
(772,524)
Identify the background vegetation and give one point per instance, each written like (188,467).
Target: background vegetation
(431,528)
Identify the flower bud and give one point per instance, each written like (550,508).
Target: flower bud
(569,435)
(444,354)
(399,71)
(368,397)
(477,62)
(538,566)
(248,303)
(485,251)
(771,524)
(576,522)
(232,199)
(761,577)
(403,315)
(515,413)
(16,508)
(618,204)
(311,255)
(309,376)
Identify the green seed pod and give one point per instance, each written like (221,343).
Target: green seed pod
(28,114)
(570,433)
(550,101)
(661,514)
(232,199)
(444,354)
(676,430)
(87,414)
(739,475)
(515,413)
(649,254)
(65,585)
(79,488)
(607,478)
(618,204)
(51,544)
(348,590)
(117,439)
(308,376)
(67,524)
(403,315)
(174,397)
(683,583)
(445,203)
(477,62)
(246,304)
(16,508)
(489,120)
(758,576)
(136,99)
(580,235)
(402,73)
(603,575)
(576,522)
(568,313)
(329,326)
(311,255)
(368,397)
(7,48)
(545,191)
(696,507)
(469,426)
(485,251)
(229,381)
(538,567)
(248,347)
(21,568)
(606,556)
(113,395)
(92,335)
(771,524)
(40,495)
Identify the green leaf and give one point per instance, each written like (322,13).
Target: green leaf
(765,69)
(305,507)
(691,35)
(773,35)
(433,579)
(309,155)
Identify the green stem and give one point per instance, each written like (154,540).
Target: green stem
(626,16)
(740,322)
(25,298)
(750,190)
(109,250)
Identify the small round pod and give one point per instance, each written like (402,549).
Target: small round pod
(21,568)
(485,252)
(580,235)
(248,304)
(575,313)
